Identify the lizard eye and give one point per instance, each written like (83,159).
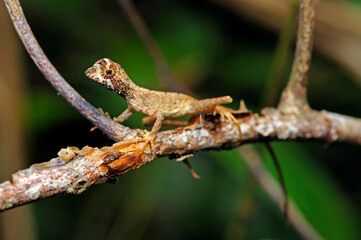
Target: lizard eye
(109,72)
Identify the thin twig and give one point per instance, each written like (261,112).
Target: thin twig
(112,129)
(294,96)
(281,179)
(152,47)
(296,218)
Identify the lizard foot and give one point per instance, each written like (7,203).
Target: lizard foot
(148,138)
(226,113)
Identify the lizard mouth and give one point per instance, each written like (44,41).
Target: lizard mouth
(91,72)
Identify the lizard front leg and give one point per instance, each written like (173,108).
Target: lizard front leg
(125,115)
(158,123)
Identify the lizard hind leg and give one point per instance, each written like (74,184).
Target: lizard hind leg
(225,113)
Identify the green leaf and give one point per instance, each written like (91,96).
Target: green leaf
(316,193)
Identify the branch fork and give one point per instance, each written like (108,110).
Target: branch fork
(294,97)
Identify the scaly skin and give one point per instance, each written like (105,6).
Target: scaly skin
(168,104)
(157,104)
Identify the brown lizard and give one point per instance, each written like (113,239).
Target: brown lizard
(161,105)
(157,104)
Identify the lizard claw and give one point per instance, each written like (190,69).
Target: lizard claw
(143,132)
(105,113)
(226,113)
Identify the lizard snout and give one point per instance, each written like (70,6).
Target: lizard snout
(90,72)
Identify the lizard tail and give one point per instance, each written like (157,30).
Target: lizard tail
(210,102)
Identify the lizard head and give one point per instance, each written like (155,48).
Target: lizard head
(111,75)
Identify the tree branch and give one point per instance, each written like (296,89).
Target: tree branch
(94,166)
(114,130)
(51,178)
(294,96)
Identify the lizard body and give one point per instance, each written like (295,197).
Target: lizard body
(157,104)
(170,104)
(149,102)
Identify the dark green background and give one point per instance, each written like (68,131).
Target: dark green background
(214,52)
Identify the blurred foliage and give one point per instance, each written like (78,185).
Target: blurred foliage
(316,193)
(355,1)
(215,53)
